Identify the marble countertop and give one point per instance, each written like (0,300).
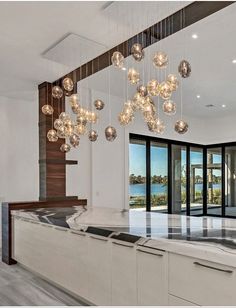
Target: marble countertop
(209,238)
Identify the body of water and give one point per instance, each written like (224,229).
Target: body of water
(158,189)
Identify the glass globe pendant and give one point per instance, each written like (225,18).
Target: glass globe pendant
(74,99)
(153,87)
(173,81)
(58,123)
(68,84)
(133,76)
(81,120)
(80,129)
(93,117)
(74,140)
(52,135)
(160,126)
(57,92)
(125,119)
(64,116)
(137,52)
(99,104)
(181,127)
(117,59)
(93,135)
(184,69)
(62,132)
(169,107)
(47,109)
(110,133)
(65,148)
(142,90)
(165,90)
(160,59)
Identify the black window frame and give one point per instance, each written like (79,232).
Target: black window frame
(188,145)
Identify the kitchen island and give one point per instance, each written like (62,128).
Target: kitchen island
(116,257)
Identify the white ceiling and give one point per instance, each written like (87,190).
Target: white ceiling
(210,55)
(28,29)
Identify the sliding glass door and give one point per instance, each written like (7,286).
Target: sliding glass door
(137,174)
(230,181)
(196,181)
(179,179)
(214,181)
(159,176)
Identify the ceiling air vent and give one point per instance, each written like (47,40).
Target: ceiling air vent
(210,106)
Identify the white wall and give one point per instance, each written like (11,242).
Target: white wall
(102,172)
(19,180)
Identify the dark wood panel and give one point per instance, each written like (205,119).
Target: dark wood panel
(6,219)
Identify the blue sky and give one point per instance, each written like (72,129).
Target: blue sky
(158,160)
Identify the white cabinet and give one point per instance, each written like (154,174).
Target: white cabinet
(124,282)
(176,301)
(56,253)
(152,277)
(201,282)
(99,270)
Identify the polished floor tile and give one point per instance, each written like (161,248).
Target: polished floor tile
(19,287)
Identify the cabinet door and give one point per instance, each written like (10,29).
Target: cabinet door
(152,277)
(124,285)
(99,270)
(201,282)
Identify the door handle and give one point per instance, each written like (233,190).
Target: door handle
(213,268)
(150,253)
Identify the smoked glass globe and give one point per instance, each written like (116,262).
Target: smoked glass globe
(81,120)
(137,52)
(117,59)
(142,90)
(184,69)
(57,92)
(181,127)
(92,135)
(99,104)
(110,133)
(65,148)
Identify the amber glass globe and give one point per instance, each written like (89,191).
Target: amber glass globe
(52,135)
(68,84)
(65,148)
(47,109)
(160,59)
(181,127)
(133,76)
(99,104)
(117,59)
(153,87)
(74,140)
(57,92)
(137,52)
(169,107)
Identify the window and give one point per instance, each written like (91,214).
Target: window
(159,177)
(230,181)
(196,181)
(137,174)
(214,181)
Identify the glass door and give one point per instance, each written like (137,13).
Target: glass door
(137,174)
(230,181)
(159,177)
(214,181)
(179,176)
(196,181)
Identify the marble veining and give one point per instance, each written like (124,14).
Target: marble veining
(158,229)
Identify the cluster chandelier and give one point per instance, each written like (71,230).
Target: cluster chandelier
(70,130)
(143,100)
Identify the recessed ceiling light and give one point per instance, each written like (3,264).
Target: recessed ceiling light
(123,68)
(234,61)
(198,96)
(223,106)
(194,36)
